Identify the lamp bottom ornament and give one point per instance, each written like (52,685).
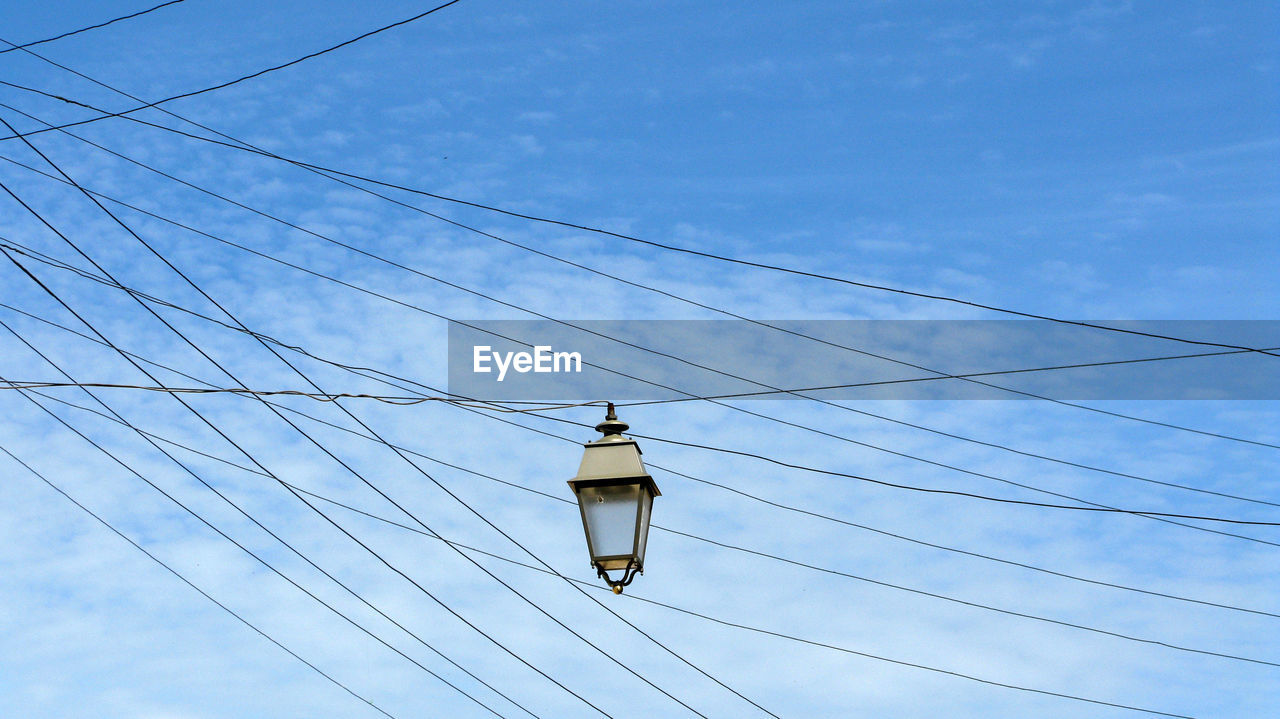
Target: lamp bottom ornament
(629,573)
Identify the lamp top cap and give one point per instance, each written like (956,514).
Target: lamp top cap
(611,424)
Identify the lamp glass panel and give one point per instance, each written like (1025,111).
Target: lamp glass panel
(611,518)
(646,505)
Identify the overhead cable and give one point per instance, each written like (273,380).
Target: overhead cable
(1002,447)
(18,385)
(238,80)
(794,638)
(1095,507)
(221,495)
(317,396)
(405,576)
(811,642)
(242,145)
(688,535)
(774,557)
(363,479)
(112,21)
(733,490)
(630,238)
(690,396)
(928,490)
(1150,515)
(189,583)
(245,146)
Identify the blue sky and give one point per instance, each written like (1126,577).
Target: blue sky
(1085,160)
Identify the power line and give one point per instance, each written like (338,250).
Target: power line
(436,482)
(795,391)
(690,397)
(273,569)
(915,665)
(238,80)
(981,679)
(844,522)
(261,526)
(776,558)
(402,400)
(805,566)
(112,21)
(815,568)
(322,514)
(1159,516)
(717,543)
(1002,447)
(630,238)
(317,396)
(1094,508)
(975,605)
(1151,515)
(733,490)
(912,380)
(777,634)
(252,459)
(245,146)
(188,582)
(931,490)
(552,406)
(1164,517)
(738,625)
(370,484)
(317,169)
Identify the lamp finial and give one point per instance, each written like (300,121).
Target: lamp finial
(611,424)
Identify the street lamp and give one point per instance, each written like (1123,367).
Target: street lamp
(615,495)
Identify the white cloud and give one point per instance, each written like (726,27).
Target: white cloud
(91,626)
(538,117)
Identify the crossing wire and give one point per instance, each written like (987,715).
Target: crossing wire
(778,634)
(691,397)
(538,406)
(717,543)
(112,21)
(1002,447)
(415,584)
(273,569)
(1107,328)
(658,467)
(337,175)
(842,649)
(324,449)
(1093,506)
(245,146)
(334,397)
(622,236)
(238,80)
(791,637)
(189,583)
(1237,535)
(1100,507)
(709,618)
(252,459)
(115,416)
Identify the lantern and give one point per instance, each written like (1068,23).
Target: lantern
(615,495)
